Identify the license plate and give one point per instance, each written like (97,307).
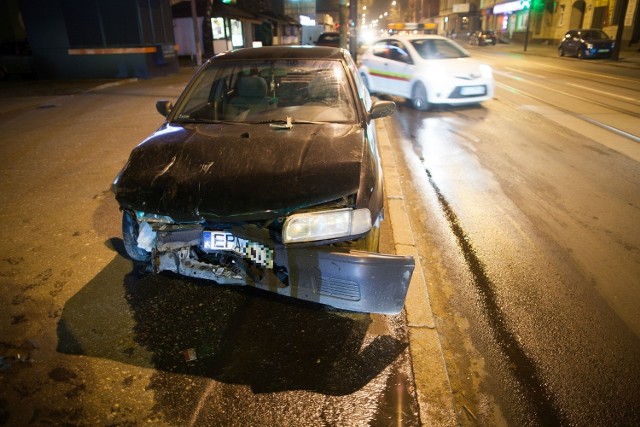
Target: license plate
(472,90)
(603,50)
(225,241)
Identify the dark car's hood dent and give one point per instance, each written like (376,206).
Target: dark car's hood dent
(237,171)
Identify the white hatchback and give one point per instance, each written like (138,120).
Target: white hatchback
(427,69)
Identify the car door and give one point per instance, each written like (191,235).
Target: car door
(387,67)
(572,42)
(400,68)
(376,63)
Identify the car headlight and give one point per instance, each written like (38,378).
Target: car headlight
(148,217)
(485,70)
(589,46)
(326,225)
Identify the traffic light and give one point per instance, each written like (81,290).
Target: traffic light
(537,5)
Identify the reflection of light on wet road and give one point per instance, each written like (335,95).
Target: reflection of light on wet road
(448,145)
(431,131)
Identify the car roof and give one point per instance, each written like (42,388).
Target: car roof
(282,52)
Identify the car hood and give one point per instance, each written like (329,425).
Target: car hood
(462,68)
(241,171)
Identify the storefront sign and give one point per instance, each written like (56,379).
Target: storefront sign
(509,7)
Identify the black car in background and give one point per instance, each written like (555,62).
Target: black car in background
(16,59)
(586,43)
(331,39)
(483,38)
(267,173)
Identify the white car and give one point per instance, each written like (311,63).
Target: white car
(427,69)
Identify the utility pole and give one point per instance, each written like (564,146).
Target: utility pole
(353,37)
(196,33)
(526,34)
(621,18)
(343,13)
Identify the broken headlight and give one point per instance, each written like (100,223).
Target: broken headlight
(149,217)
(326,225)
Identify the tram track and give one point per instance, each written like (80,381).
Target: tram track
(583,117)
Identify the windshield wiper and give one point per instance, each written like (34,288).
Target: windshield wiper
(198,120)
(285,124)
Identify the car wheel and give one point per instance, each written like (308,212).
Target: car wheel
(130,238)
(560,51)
(419,97)
(581,54)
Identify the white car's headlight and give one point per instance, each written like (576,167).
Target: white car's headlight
(326,225)
(485,70)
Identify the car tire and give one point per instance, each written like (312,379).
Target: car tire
(560,51)
(581,54)
(419,97)
(130,238)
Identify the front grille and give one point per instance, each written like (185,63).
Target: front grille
(457,93)
(337,288)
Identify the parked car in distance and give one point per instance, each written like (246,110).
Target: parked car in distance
(266,173)
(16,59)
(483,38)
(329,39)
(426,69)
(586,43)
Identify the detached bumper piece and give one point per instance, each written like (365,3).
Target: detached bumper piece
(348,280)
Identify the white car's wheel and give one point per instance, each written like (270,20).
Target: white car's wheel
(419,97)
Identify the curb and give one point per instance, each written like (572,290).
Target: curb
(111,84)
(433,389)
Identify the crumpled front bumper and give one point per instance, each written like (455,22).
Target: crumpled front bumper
(350,280)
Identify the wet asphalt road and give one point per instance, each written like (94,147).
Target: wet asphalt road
(527,211)
(85,341)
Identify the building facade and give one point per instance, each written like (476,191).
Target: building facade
(547,20)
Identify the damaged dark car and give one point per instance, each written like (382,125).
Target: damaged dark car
(266,173)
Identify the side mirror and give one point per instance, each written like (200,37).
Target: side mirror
(164,107)
(381,109)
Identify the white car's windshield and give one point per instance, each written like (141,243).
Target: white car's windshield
(438,49)
(260,91)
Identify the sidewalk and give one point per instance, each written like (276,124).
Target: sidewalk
(433,390)
(629,56)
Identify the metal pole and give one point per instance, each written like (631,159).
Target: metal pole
(621,18)
(196,33)
(526,35)
(353,37)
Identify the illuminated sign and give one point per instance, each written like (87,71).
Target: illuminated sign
(512,6)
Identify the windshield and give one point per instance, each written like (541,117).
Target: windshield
(438,49)
(259,91)
(594,35)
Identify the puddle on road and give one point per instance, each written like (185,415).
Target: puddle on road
(399,406)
